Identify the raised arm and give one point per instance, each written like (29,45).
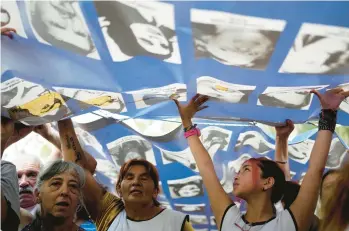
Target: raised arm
(72,151)
(281,144)
(219,200)
(304,206)
(48,133)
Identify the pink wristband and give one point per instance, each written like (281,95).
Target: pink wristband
(192,132)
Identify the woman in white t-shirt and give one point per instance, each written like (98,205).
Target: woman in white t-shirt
(260,181)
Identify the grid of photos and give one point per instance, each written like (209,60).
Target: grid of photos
(288,97)
(10,17)
(187,187)
(111,101)
(148,97)
(130,147)
(255,140)
(219,90)
(137,28)
(319,49)
(235,40)
(61,24)
(31,103)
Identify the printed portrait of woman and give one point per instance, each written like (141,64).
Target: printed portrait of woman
(61,24)
(234,46)
(133,29)
(188,187)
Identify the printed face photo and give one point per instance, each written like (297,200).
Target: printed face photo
(288,97)
(300,152)
(223,91)
(61,24)
(189,208)
(31,103)
(336,155)
(184,157)
(130,147)
(148,97)
(138,29)
(254,140)
(234,40)
(10,17)
(110,101)
(187,187)
(215,138)
(319,49)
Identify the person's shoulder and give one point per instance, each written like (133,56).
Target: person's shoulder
(7,164)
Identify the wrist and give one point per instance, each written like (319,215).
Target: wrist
(187,123)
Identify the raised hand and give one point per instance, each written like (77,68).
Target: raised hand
(43,130)
(284,131)
(7,32)
(332,98)
(188,111)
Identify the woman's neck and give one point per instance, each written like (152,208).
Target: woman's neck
(139,212)
(259,210)
(68,225)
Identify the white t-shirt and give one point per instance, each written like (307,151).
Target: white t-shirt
(233,220)
(166,220)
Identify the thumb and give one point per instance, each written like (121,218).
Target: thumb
(176,102)
(316,93)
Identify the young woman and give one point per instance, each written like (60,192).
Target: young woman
(260,181)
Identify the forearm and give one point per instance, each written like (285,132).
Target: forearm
(281,155)
(70,145)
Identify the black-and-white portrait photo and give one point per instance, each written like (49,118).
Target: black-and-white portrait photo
(130,147)
(139,28)
(148,97)
(215,138)
(336,155)
(319,49)
(32,103)
(219,90)
(235,40)
(198,220)
(10,17)
(187,187)
(61,24)
(254,140)
(300,152)
(110,101)
(184,157)
(230,170)
(288,97)
(213,221)
(190,208)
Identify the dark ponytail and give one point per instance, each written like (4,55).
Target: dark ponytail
(271,169)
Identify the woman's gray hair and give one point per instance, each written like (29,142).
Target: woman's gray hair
(58,167)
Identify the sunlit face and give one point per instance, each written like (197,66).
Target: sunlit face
(62,22)
(240,47)
(151,38)
(189,190)
(27,171)
(223,93)
(137,186)
(60,195)
(247,180)
(328,186)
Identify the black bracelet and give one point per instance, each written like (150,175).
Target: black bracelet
(328,120)
(190,127)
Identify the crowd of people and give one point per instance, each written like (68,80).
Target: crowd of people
(64,195)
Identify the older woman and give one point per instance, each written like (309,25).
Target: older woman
(59,194)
